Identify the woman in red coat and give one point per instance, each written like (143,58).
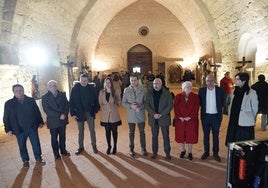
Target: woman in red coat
(186,107)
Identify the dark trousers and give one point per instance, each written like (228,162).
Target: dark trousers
(166,140)
(58,139)
(91,126)
(244,133)
(226,103)
(35,142)
(108,130)
(131,127)
(212,123)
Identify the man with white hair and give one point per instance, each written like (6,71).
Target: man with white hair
(56,106)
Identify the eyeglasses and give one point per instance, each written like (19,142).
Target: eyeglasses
(210,80)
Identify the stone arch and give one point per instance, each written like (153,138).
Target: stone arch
(139,56)
(247,48)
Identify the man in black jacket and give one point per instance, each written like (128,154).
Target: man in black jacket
(56,106)
(22,118)
(83,106)
(261,87)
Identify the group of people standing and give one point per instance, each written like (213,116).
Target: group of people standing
(241,103)
(22,116)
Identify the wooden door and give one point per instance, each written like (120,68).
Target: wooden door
(143,60)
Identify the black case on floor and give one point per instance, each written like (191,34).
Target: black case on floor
(247,164)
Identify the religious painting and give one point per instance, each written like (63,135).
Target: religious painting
(174,74)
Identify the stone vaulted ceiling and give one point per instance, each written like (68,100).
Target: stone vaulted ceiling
(193,14)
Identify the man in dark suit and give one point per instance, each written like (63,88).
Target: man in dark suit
(211,102)
(56,106)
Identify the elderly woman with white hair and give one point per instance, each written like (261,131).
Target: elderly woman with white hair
(186,107)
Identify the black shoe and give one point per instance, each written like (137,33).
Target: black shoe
(205,156)
(190,156)
(131,153)
(108,152)
(154,156)
(114,150)
(95,150)
(66,153)
(182,154)
(78,151)
(144,152)
(216,157)
(168,157)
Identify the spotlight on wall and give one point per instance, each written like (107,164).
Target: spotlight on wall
(36,56)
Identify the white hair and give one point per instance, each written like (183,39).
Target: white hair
(51,82)
(186,83)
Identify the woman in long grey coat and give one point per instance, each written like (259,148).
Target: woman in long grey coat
(109,100)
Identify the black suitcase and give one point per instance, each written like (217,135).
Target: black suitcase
(247,165)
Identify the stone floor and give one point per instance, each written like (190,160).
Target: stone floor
(120,170)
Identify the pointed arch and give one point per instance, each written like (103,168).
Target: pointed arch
(139,57)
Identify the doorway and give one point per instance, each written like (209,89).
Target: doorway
(139,59)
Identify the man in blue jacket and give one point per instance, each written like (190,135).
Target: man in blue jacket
(83,106)
(211,102)
(22,118)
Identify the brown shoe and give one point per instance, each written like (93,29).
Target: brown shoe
(57,157)
(26,164)
(40,162)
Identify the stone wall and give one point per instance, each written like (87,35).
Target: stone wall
(232,21)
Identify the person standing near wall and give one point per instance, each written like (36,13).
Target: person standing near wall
(109,100)
(261,87)
(56,107)
(211,102)
(22,118)
(133,101)
(97,82)
(149,79)
(159,103)
(83,107)
(244,107)
(226,84)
